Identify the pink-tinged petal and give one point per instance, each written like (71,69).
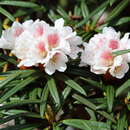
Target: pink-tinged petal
(18,31)
(53,40)
(39,31)
(113,44)
(107,55)
(42,49)
(41,46)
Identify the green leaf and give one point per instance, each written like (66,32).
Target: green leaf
(107,116)
(8,79)
(19,3)
(122,123)
(66,92)
(63,13)
(122,21)
(8,58)
(102,6)
(91,113)
(53,90)
(92,82)
(0,28)
(44,97)
(86,124)
(7,14)
(116,11)
(84,101)
(18,87)
(18,103)
(110,97)
(121,52)
(71,83)
(112,2)
(84,9)
(77,11)
(123,87)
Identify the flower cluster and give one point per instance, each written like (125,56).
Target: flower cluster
(37,43)
(98,53)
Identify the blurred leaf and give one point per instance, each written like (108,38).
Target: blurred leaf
(0,28)
(63,13)
(110,97)
(19,3)
(112,2)
(53,90)
(7,14)
(102,6)
(71,83)
(97,17)
(86,124)
(84,9)
(116,11)
(123,87)
(122,21)
(84,101)
(121,52)
(77,11)
(122,123)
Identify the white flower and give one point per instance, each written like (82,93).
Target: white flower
(56,61)
(37,43)
(67,33)
(7,40)
(98,53)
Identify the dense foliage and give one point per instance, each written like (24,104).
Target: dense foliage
(78,98)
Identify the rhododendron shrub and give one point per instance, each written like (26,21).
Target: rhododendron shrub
(64,65)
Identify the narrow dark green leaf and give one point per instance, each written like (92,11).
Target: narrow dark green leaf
(84,9)
(110,97)
(71,83)
(7,14)
(122,21)
(18,87)
(44,97)
(123,87)
(53,90)
(116,11)
(91,113)
(19,103)
(8,79)
(63,13)
(66,92)
(107,116)
(8,58)
(112,2)
(77,11)
(84,101)
(92,82)
(121,52)
(122,123)
(86,124)
(0,28)
(102,6)
(19,3)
